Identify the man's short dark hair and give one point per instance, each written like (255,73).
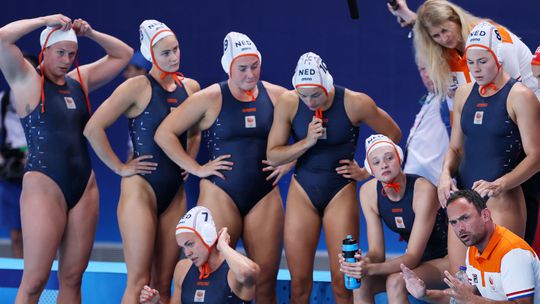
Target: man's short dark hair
(471,196)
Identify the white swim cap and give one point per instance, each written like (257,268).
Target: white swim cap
(151,31)
(312,71)
(198,220)
(56,36)
(376,141)
(486,36)
(236,45)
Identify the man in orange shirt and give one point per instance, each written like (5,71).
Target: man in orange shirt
(501,266)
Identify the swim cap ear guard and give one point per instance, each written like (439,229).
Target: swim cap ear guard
(377,141)
(199,220)
(236,45)
(312,71)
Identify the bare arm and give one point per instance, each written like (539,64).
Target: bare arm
(19,73)
(425,206)
(12,62)
(127,96)
(375,234)
(195,113)
(454,154)
(243,272)
(100,72)
(194,134)
(362,109)
(524,109)
(278,151)
(151,296)
(405,16)
(376,253)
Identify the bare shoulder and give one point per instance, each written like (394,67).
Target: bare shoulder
(191,85)
(274,90)
(357,101)
(519,90)
(289,98)
(287,104)
(213,92)
(462,92)
(134,88)
(356,96)
(369,186)
(423,184)
(180,271)
(369,189)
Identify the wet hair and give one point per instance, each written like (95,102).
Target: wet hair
(434,13)
(471,196)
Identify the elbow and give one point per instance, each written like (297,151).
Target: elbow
(271,158)
(250,273)
(396,134)
(89,131)
(411,261)
(128,53)
(158,137)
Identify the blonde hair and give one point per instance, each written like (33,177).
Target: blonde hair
(434,13)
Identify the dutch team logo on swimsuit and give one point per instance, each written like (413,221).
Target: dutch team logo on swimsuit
(70,104)
(250,122)
(478,117)
(199,296)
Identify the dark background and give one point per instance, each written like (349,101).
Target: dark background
(371,54)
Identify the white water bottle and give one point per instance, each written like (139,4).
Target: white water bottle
(462,276)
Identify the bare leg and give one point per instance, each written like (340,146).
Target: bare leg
(223,209)
(137,221)
(16,243)
(508,210)
(263,238)
(341,217)
(43,219)
(77,243)
(431,272)
(166,251)
(302,230)
(456,251)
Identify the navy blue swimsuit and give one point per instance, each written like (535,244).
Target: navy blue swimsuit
(56,144)
(166,180)
(316,168)
(241,130)
(213,290)
(491,140)
(399,217)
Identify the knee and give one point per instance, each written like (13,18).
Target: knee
(395,284)
(266,285)
(70,279)
(138,281)
(33,285)
(301,287)
(338,287)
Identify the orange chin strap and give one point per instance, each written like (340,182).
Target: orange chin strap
(174,75)
(319,113)
(250,94)
(396,186)
(40,60)
(483,89)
